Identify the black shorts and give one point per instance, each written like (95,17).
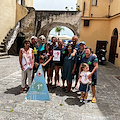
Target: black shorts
(48,65)
(35,69)
(76,72)
(94,82)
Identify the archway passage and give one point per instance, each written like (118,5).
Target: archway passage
(47,20)
(113,46)
(47,28)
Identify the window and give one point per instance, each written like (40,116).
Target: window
(86,22)
(94,2)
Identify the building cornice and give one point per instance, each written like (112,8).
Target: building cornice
(101,18)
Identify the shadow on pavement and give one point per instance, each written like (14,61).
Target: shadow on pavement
(72,96)
(15,90)
(74,101)
(60,92)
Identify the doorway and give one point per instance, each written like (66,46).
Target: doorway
(101,45)
(113,46)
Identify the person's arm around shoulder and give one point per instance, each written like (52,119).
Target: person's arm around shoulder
(73,54)
(20,60)
(32,60)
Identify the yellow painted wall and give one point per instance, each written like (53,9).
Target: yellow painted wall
(114,7)
(101,10)
(115,23)
(100,28)
(80,3)
(29,3)
(7,17)
(20,12)
(10,13)
(96,31)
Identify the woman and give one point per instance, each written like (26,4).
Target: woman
(41,46)
(48,61)
(69,66)
(59,64)
(26,59)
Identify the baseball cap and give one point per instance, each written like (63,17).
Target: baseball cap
(82,42)
(33,37)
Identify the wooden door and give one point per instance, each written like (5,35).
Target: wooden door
(113,47)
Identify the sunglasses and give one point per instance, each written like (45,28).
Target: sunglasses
(81,44)
(42,39)
(69,48)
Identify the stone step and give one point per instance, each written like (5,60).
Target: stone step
(2,50)
(3,53)
(4,40)
(2,43)
(2,46)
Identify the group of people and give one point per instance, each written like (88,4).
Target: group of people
(75,60)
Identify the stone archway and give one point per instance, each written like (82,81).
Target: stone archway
(45,21)
(45,30)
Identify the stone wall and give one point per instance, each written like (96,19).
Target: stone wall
(28,23)
(47,20)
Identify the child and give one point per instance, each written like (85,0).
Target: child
(84,82)
(41,61)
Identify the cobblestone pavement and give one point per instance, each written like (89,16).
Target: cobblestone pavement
(63,106)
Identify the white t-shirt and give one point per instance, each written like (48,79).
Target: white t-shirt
(84,77)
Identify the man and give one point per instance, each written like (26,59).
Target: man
(54,44)
(92,61)
(76,48)
(75,45)
(33,45)
(52,47)
(80,54)
(59,64)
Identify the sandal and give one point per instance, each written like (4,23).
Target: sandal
(54,86)
(93,100)
(22,90)
(26,86)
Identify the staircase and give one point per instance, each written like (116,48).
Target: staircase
(8,40)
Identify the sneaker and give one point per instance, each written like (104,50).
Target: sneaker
(85,101)
(81,100)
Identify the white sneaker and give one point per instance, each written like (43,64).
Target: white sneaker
(81,100)
(85,101)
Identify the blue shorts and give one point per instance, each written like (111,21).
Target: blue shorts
(83,88)
(94,82)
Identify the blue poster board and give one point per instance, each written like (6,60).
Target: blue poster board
(38,89)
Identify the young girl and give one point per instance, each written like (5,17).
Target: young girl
(84,82)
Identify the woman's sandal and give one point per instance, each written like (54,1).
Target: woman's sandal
(93,100)
(22,90)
